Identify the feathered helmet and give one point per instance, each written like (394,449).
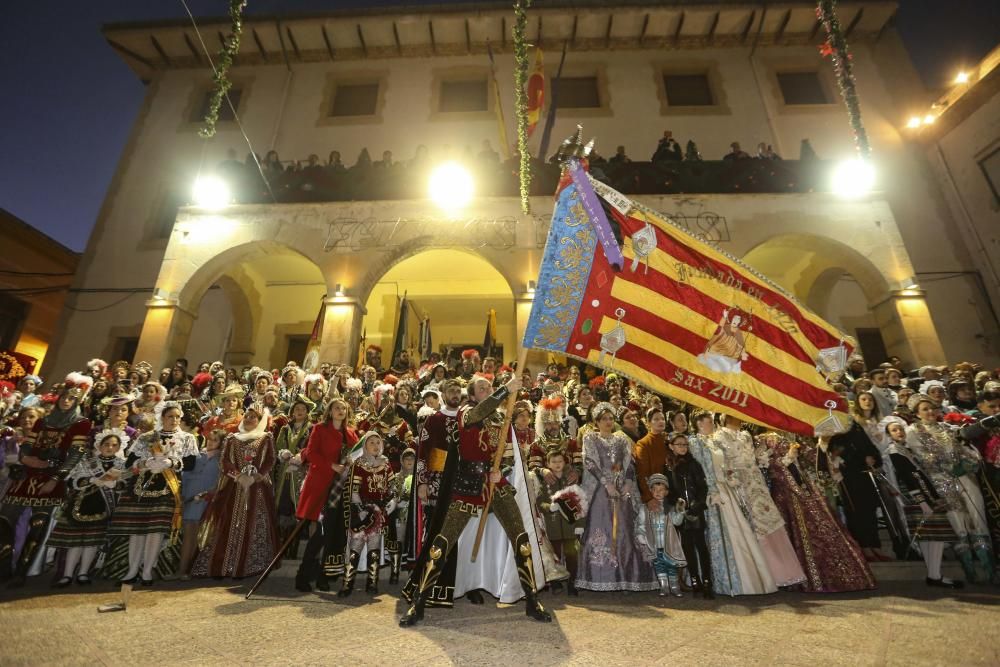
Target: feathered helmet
(470,354)
(354,384)
(98,366)
(77,385)
(200,381)
(116,432)
(550,410)
(383,394)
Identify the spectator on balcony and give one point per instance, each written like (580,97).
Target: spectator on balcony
(487,154)
(619,158)
(420,158)
(736,153)
(806,152)
(766,152)
(231,167)
(272,164)
(364,162)
(667,149)
(385,162)
(333,163)
(313,167)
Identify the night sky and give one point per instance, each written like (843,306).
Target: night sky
(69,100)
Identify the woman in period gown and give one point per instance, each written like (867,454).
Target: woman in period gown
(744,478)
(150,507)
(610,559)
(830,557)
(240,529)
(738,564)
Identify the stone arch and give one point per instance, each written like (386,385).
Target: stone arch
(395,256)
(798,262)
(210,271)
(245,302)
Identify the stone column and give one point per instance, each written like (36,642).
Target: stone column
(536,359)
(165,333)
(907,328)
(341,330)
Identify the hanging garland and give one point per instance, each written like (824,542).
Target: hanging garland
(521,99)
(835,47)
(230,48)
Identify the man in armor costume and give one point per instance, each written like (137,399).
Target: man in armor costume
(464,489)
(49,453)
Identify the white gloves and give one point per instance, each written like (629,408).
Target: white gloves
(554,507)
(284,455)
(578,531)
(295,460)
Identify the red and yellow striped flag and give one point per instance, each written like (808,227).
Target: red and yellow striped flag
(680,316)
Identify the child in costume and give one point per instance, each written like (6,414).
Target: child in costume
(656,532)
(82,525)
(403,487)
(370,499)
(564,506)
(197,486)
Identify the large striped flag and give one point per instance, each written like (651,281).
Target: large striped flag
(680,316)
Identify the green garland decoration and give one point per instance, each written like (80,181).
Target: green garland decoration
(521,99)
(221,75)
(835,48)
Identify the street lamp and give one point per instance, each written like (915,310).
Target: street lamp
(450,186)
(210,192)
(853,178)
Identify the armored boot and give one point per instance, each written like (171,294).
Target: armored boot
(36,535)
(6,549)
(526,574)
(349,574)
(664,585)
(436,556)
(394,563)
(371,586)
(964,554)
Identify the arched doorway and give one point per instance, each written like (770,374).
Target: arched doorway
(835,281)
(455,289)
(253,304)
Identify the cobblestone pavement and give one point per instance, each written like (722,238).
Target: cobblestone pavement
(209,623)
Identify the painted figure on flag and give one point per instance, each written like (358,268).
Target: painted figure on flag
(726,349)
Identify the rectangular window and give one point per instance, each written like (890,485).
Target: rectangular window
(990,165)
(464,96)
(577,92)
(355,99)
(225,112)
(688,90)
(297,346)
(125,348)
(802,88)
(166,214)
(13,313)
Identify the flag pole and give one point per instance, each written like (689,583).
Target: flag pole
(498,456)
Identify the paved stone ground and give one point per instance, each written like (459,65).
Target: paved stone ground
(209,623)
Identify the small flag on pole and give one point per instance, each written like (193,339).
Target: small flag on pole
(402,330)
(490,338)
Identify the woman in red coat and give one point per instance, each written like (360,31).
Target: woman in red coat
(326,456)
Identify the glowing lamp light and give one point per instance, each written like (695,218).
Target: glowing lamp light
(929,119)
(211,192)
(853,178)
(914,122)
(962,77)
(450,186)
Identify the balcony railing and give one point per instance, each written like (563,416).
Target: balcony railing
(321,184)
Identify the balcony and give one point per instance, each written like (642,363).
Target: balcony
(320,184)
